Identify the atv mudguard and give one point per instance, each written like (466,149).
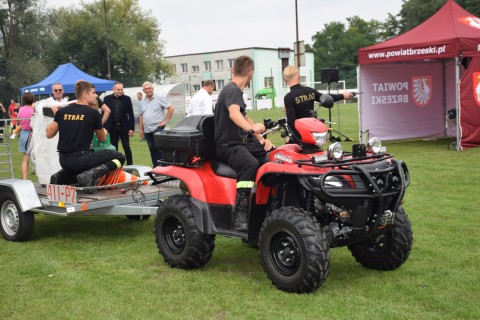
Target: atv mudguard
(202,183)
(272,172)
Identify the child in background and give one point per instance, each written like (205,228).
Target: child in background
(25,112)
(12,114)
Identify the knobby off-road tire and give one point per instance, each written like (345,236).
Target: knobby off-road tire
(388,251)
(16,226)
(293,250)
(178,239)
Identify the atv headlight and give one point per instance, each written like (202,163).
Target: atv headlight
(375,145)
(335,150)
(320,138)
(333,182)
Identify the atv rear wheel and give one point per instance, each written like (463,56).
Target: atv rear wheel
(178,239)
(388,251)
(293,250)
(15,225)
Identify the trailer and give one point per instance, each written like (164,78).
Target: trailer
(20,200)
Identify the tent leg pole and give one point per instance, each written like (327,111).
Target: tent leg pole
(457,102)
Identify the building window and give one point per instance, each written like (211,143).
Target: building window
(207,65)
(184,67)
(219,65)
(230,63)
(268,82)
(195,69)
(196,87)
(220,84)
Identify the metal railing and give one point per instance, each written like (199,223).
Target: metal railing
(6,165)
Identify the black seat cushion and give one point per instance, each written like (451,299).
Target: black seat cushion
(223,170)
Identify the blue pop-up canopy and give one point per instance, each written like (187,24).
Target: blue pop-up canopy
(66,74)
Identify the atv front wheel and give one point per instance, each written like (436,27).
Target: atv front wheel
(178,239)
(388,251)
(293,250)
(16,226)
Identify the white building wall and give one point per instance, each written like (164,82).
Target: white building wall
(267,64)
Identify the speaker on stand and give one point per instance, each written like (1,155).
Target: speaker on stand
(329,75)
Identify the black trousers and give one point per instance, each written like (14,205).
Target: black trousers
(245,159)
(118,132)
(78,162)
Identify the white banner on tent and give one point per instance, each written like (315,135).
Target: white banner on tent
(403,101)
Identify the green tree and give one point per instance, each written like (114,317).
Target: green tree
(391,27)
(132,36)
(337,46)
(22,43)
(414,12)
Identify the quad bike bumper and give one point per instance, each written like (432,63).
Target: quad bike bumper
(370,193)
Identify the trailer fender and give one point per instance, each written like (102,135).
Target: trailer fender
(24,192)
(136,170)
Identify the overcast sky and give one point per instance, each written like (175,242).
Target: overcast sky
(193,26)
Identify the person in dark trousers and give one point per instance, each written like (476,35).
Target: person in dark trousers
(76,124)
(231,138)
(121,122)
(299,102)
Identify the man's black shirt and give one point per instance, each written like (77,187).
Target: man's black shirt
(76,125)
(299,103)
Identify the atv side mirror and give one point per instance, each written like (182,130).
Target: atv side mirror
(268,123)
(326,101)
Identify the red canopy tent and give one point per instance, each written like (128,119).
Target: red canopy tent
(411,81)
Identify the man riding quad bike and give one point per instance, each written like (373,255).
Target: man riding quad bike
(306,200)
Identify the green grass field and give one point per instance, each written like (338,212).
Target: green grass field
(110,268)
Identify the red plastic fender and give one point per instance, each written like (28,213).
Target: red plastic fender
(263,192)
(202,183)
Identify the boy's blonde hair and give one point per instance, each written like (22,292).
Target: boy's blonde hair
(289,72)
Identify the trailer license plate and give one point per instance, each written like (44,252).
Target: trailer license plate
(66,194)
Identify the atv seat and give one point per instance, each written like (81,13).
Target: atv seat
(223,170)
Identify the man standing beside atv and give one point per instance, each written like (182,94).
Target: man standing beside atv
(232,127)
(299,102)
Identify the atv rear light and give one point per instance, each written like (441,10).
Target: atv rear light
(320,138)
(375,145)
(335,150)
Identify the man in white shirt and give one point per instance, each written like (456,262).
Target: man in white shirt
(201,102)
(155,113)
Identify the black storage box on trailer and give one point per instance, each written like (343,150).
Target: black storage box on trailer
(192,137)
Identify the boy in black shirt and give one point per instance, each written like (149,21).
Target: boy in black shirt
(76,124)
(231,122)
(299,102)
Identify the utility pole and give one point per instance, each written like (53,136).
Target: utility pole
(106,38)
(297,43)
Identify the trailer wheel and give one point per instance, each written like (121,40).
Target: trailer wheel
(16,226)
(294,251)
(387,251)
(178,239)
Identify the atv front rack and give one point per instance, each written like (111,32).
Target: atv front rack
(325,163)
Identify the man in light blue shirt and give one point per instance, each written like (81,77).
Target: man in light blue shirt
(155,113)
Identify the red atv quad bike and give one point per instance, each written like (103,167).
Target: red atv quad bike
(306,200)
